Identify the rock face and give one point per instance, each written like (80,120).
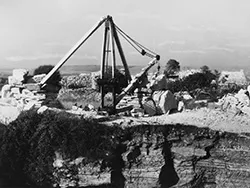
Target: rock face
(75,82)
(200,158)
(18,96)
(179,156)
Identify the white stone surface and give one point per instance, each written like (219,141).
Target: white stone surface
(5,92)
(167,102)
(160,83)
(19,74)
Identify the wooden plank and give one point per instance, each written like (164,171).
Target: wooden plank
(133,84)
(72,51)
(120,50)
(113,58)
(104,51)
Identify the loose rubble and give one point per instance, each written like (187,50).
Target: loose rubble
(18,95)
(23,93)
(238,103)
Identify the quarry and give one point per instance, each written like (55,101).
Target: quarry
(168,128)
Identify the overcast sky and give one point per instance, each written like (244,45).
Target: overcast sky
(194,32)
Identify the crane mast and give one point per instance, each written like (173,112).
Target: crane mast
(110,39)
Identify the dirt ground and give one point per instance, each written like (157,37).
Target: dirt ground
(215,119)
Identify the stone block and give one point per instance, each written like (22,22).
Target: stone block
(165,101)
(94,77)
(5,92)
(160,83)
(243,98)
(13,81)
(38,78)
(20,74)
(27,93)
(32,87)
(15,90)
(149,107)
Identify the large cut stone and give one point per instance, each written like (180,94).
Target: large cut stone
(243,98)
(149,107)
(20,74)
(94,77)
(160,83)
(165,101)
(186,96)
(157,96)
(6,90)
(13,81)
(32,87)
(38,78)
(8,112)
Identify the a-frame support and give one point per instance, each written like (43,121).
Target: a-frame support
(110,38)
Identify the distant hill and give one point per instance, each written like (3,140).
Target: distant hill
(134,69)
(78,69)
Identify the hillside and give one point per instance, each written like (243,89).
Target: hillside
(76,69)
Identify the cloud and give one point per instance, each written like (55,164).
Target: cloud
(139,14)
(172,43)
(239,45)
(218,48)
(187,51)
(194,28)
(56,44)
(47,56)
(174,28)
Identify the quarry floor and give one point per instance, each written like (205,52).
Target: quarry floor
(215,119)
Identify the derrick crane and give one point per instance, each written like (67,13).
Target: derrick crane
(111,38)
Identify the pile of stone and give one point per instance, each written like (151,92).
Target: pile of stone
(238,103)
(161,102)
(184,73)
(76,81)
(158,83)
(19,94)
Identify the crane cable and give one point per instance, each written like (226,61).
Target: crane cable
(132,42)
(138,47)
(138,44)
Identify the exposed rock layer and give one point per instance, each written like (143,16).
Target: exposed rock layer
(179,156)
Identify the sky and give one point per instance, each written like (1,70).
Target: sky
(194,32)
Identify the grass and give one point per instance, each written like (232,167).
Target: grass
(29,143)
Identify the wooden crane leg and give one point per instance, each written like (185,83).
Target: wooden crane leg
(104,53)
(120,50)
(113,62)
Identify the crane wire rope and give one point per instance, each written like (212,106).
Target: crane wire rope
(143,50)
(137,43)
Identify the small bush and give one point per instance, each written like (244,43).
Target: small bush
(29,144)
(192,82)
(230,88)
(120,81)
(172,67)
(45,69)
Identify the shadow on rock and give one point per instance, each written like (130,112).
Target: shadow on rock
(168,176)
